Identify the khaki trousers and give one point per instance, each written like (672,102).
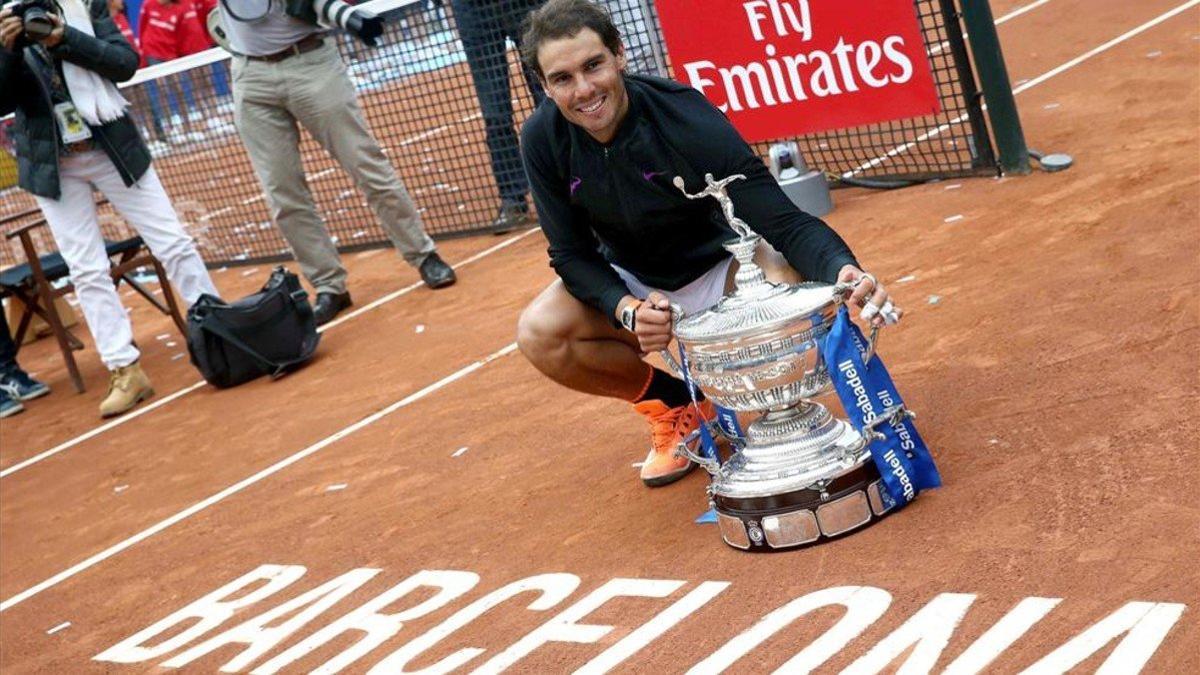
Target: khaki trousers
(314,89)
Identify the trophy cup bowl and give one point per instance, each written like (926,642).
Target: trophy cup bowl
(799,475)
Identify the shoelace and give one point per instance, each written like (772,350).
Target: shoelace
(666,428)
(121,379)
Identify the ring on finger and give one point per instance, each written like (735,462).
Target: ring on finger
(868,275)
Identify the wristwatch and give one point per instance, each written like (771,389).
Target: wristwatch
(629,315)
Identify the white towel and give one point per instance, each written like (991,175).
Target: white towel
(96,98)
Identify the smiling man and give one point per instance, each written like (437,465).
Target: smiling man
(601,157)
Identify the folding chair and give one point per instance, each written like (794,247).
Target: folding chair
(32,282)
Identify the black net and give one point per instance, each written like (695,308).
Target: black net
(444,97)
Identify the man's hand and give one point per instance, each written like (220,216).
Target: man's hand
(871,296)
(653,323)
(10,28)
(56,35)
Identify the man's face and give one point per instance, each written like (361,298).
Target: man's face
(584,80)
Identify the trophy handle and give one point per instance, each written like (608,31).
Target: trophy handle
(676,315)
(711,464)
(872,341)
(894,415)
(841,293)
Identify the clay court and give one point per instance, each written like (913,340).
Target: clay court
(1049,345)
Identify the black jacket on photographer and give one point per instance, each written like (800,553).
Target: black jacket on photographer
(26,82)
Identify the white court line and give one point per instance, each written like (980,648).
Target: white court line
(100,429)
(1028,85)
(128,417)
(422,136)
(1020,10)
(214,214)
(1007,17)
(392,296)
(200,506)
(247,482)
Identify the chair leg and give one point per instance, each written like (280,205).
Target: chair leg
(66,341)
(169,296)
(71,339)
(29,301)
(145,293)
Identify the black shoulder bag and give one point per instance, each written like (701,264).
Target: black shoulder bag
(268,333)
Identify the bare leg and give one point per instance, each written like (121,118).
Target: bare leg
(576,346)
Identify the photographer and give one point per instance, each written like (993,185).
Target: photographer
(287,73)
(58,65)
(484,26)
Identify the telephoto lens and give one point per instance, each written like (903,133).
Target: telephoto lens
(37,23)
(34,16)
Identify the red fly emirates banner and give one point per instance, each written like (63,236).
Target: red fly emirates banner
(782,68)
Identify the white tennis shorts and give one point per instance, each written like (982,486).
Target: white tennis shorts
(695,297)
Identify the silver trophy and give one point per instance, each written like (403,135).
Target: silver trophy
(799,474)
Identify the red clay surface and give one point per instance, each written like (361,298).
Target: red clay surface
(1056,379)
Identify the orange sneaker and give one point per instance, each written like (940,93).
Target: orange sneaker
(669,427)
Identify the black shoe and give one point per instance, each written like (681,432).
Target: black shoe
(436,273)
(511,217)
(329,305)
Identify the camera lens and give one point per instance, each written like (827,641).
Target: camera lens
(37,23)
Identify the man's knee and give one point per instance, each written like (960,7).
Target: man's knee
(88,276)
(775,266)
(541,336)
(179,247)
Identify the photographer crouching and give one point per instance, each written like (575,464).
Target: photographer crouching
(58,65)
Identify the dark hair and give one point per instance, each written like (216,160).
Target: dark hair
(560,19)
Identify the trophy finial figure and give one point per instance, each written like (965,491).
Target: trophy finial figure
(716,190)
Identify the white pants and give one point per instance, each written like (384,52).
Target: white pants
(76,228)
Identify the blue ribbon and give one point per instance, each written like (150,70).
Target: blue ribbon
(708,445)
(728,422)
(866,391)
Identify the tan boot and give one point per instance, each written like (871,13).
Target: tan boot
(127,387)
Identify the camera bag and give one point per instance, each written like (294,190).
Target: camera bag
(269,332)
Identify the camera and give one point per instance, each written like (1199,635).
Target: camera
(34,16)
(808,189)
(360,23)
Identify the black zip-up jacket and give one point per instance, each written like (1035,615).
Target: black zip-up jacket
(616,203)
(25,87)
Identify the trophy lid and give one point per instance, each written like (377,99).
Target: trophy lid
(753,310)
(757,305)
